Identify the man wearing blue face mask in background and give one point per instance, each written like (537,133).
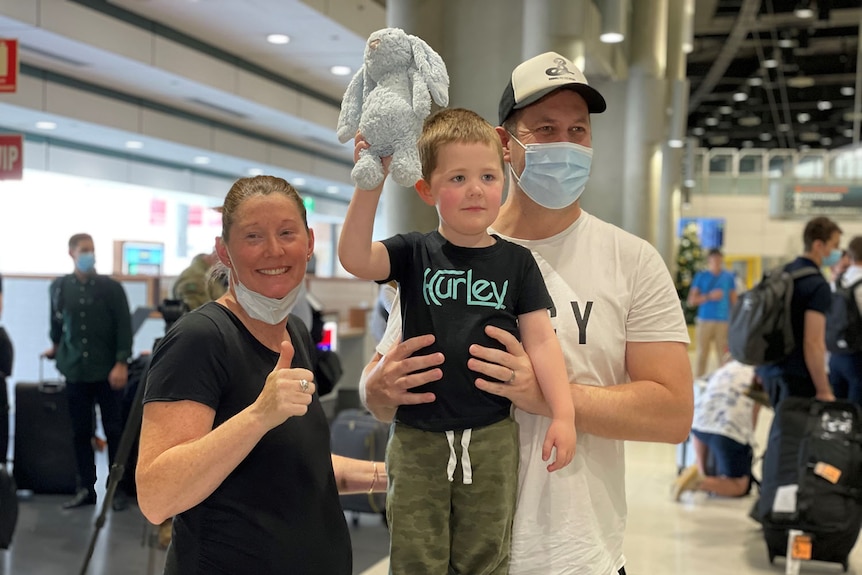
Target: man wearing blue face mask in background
(803,372)
(616,314)
(91,330)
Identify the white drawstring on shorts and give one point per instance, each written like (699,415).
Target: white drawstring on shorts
(466,467)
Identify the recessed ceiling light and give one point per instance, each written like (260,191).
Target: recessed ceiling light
(725,110)
(809,136)
(804,148)
(46,125)
(804,12)
(332,189)
(824,105)
(749,121)
(770,63)
(847,90)
(747,144)
(740,97)
(783,128)
(202,160)
(825,141)
(698,131)
(800,81)
(848,133)
(765,137)
(278,38)
(675,143)
(719,140)
(340,70)
(711,121)
(803,117)
(611,37)
(786,43)
(755,81)
(255,172)
(134,144)
(298,181)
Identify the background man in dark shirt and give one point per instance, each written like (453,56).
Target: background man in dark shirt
(803,372)
(92,335)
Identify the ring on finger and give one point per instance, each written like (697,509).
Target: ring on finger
(511,377)
(303,383)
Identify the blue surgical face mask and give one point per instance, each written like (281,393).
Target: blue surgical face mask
(832,258)
(555,174)
(86,262)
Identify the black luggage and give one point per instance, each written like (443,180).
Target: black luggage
(44,457)
(8,508)
(816,446)
(355,433)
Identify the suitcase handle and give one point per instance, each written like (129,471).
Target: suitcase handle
(48,386)
(51,387)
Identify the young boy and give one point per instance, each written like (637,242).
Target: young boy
(454,281)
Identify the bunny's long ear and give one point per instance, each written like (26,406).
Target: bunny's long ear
(432,69)
(351,107)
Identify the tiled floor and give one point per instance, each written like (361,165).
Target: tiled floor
(700,535)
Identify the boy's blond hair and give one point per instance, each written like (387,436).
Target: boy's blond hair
(450,126)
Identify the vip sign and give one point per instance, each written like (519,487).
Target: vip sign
(8,65)
(11,156)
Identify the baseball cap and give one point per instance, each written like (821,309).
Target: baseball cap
(541,75)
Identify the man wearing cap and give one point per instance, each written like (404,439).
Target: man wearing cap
(615,312)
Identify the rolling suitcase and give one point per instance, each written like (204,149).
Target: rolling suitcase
(44,457)
(812,478)
(355,433)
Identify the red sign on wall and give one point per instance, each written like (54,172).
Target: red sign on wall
(8,65)
(11,157)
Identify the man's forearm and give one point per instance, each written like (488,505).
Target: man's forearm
(815,361)
(633,411)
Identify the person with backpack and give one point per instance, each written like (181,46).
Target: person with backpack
(802,373)
(713,291)
(844,328)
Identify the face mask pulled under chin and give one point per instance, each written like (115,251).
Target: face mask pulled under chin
(555,174)
(266,309)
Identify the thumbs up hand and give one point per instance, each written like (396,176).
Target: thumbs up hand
(287,391)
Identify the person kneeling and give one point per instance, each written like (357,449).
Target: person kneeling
(722,431)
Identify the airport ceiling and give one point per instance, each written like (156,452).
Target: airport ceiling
(764,74)
(815,73)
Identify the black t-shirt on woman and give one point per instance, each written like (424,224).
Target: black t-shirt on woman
(278,511)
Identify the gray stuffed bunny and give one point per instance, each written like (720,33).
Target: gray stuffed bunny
(387,101)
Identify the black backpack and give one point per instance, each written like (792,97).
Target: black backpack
(760,330)
(843,322)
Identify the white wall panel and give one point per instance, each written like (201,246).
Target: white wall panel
(90,27)
(318,112)
(290,159)
(24,11)
(242,146)
(267,93)
(330,170)
(35,155)
(91,107)
(30,94)
(194,65)
(176,129)
(159,177)
(79,163)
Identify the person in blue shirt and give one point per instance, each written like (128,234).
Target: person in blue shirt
(713,290)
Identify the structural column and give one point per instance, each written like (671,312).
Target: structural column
(480,41)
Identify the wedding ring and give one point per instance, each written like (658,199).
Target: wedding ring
(512,377)
(303,383)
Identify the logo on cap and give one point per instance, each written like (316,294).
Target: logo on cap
(560,70)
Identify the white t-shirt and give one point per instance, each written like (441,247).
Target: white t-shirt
(851,276)
(608,287)
(723,408)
